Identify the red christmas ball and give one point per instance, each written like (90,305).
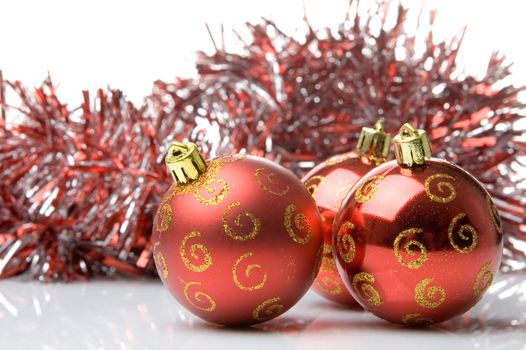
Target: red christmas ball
(417,242)
(238,240)
(329,182)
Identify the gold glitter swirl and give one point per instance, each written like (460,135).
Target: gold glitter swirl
(266,184)
(256,223)
(268,309)
(327,262)
(340,158)
(329,284)
(483,280)
(231,158)
(248,271)
(364,282)
(209,189)
(411,247)
(301,223)
(446,189)
(416,320)
(203,187)
(312,184)
(495,217)
(199,297)
(432,298)
(160,261)
(368,189)
(345,242)
(473,236)
(164,217)
(207,258)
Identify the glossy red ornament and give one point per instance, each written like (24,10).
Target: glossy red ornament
(329,182)
(238,242)
(417,242)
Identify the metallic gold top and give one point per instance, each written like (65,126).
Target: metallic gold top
(374,142)
(411,146)
(185,162)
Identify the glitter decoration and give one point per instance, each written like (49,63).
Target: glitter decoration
(429,297)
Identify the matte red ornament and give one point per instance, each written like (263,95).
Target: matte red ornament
(237,241)
(417,241)
(329,182)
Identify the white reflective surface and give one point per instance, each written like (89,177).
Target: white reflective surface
(142,315)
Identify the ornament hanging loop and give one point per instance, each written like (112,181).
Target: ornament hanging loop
(407,130)
(412,146)
(374,142)
(185,162)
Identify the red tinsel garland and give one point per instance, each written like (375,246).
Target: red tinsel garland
(81,184)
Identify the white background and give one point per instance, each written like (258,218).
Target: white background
(129,44)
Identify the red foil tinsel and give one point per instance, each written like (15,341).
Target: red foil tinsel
(80,185)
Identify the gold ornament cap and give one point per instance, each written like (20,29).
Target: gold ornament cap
(411,146)
(374,142)
(185,162)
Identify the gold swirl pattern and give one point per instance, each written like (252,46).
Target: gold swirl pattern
(327,263)
(256,223)
(266,186)
(345,242)
(416,320)
(204,185)
(301,223)
(329,284)
(432,298)
(466,227)
(160,261)
(193,253)
(495,217)
(199,297)
(313,182)
(483,280)
(441,186)
(248,271)
(164,217)
(268,310)
(231,158)
(209,189)
(340,158)
(410,248)
(364,282)
(368,189)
